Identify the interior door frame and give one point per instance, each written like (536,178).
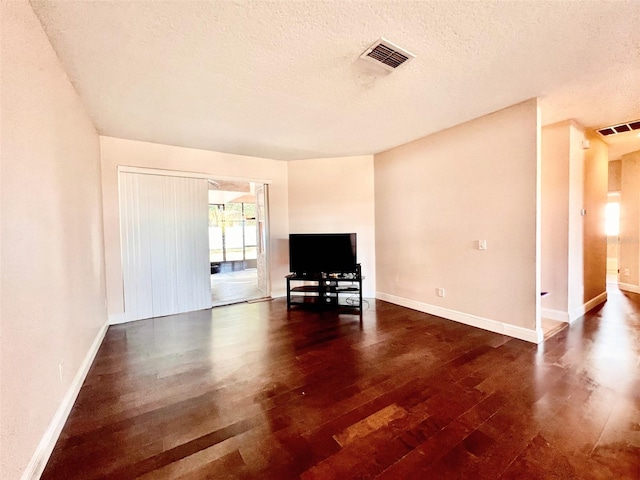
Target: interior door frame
(212,176)
(616,197)
(181,173)
(263,237)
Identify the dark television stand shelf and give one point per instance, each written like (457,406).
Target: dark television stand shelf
(326,291)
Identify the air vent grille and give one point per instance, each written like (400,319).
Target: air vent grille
(386,54)
(621,128)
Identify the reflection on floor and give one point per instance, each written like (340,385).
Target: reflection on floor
(551,327)
(234,287)
(254,391)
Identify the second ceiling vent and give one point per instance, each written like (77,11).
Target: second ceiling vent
(386,54)
(623,127)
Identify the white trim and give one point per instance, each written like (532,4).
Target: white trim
(179,173)
(552,314)
(590,305)
(628,287)
(41,456)
(118,318)
(529,335)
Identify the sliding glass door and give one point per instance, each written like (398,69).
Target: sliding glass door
(232,233)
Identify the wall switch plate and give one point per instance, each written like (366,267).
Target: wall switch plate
(440,292)
(482,244)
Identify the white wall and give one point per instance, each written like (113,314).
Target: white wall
(52,283)
(131,153)
(435,197)
(335,195)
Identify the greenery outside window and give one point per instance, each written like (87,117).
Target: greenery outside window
(232,232)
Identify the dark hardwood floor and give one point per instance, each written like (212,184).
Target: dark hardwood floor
(252,391)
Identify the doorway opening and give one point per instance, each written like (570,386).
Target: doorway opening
(237,229)
(612,228)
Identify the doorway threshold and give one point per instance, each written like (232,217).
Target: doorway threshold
(261,299)
(241,300)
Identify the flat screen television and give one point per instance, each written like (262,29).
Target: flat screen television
(314,253)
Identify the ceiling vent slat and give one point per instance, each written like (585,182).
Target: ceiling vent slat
(619,128)
(386,54)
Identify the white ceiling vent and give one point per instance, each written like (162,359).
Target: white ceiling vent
(386,54)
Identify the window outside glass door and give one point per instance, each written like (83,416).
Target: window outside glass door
(232,232)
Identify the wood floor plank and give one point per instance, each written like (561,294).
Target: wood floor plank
(175,454)
(256,391)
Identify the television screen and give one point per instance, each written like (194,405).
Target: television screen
(311,253)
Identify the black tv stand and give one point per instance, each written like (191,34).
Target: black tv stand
(326,290)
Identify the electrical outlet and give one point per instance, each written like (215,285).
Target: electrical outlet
(440,292)
(61,370)
(626,272)
(482,244)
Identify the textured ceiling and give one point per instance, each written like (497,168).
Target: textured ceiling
(282,79)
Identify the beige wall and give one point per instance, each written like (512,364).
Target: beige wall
(615,171)
(53,290)
(574,178)
(336,195)
(131,153)
(588,180)
(435,197)
(576,220)
(555,216)
(630,223)
(596,159)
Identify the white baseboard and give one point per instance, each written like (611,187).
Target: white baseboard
(45,447)
(117,318)
(628,287)
(590,305)
(552,314)
(495,326)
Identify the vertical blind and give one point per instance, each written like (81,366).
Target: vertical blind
(165,245)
